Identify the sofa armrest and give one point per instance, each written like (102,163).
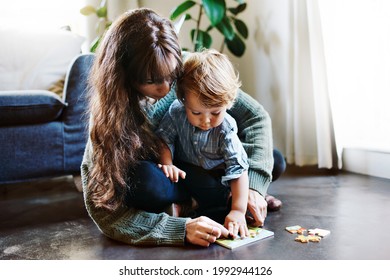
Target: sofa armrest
(76,88)
(74,117)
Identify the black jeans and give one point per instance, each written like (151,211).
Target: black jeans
(153,191)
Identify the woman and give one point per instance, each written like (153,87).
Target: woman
(132,86)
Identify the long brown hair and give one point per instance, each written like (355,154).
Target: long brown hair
(138,46)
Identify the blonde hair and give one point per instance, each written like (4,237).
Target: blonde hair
(211,76)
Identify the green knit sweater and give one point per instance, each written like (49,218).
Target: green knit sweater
(138,227)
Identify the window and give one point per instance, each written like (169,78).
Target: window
(357,49)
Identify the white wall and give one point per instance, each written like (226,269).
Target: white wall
(264,67)
(368,162)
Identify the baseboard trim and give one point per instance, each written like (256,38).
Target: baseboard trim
(367,162)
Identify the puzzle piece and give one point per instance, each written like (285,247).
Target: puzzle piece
(302,231)
(319,232)
(253,231)
(302,239)
(293,229)
(314,238)
(308,238)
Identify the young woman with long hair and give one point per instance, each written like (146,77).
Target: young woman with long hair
(132,84)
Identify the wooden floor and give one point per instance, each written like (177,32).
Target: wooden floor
(47,220)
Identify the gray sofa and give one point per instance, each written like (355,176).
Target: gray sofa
(42,135)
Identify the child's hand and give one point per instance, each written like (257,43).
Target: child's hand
(172,172)
(235,222)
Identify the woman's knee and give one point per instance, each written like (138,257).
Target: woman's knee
(145,170)
(279,165)
(152,190)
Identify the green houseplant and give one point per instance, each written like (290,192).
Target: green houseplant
(221,17)
(103,21)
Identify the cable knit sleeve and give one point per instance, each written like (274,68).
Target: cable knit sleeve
(157,111)
(255,133)
(130,225)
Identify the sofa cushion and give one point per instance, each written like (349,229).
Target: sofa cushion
(35,59)
(29,107)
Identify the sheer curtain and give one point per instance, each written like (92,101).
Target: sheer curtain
(339,85)
(357,49)
(309,129)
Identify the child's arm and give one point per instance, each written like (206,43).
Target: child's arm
(166,164)
(235,221)
(165,154)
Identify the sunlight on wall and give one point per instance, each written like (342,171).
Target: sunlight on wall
(357,49)
(42,14)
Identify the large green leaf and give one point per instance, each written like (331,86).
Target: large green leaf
(215,10)
(226,28)
(240,8)
(203,39)
(241,27)
(181,9)
(236,46)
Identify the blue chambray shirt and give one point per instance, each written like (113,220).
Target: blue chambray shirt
(216,147)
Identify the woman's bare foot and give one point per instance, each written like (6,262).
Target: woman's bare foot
(186,209)
(274,204)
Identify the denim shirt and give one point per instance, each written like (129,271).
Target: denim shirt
(213,148)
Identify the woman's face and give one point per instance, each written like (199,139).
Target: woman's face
(155,89)
(159,88)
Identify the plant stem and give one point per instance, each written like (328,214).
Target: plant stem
(197,26)
(222,45)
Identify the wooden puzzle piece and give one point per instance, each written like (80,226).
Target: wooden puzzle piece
(302,231)
(253,231)
(319,232)
(314,238)
(307,238)
(293,229)
(302,239)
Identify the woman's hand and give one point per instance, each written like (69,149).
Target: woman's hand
(236,224)
(172,172)
(203,231)
(257,206)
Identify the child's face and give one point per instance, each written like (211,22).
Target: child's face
(201,116)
